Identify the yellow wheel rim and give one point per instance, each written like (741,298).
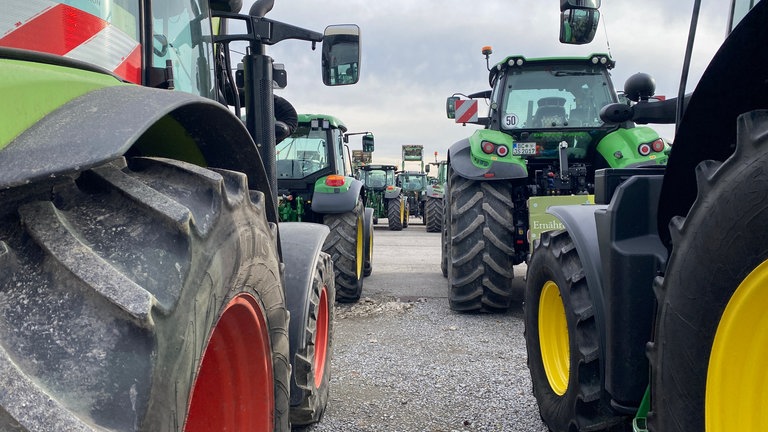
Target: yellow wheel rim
(402,211)
(553,338)
(359,254)
(737,383)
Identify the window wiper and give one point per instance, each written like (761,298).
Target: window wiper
(574,73)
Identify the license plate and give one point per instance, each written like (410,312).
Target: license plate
(523,148)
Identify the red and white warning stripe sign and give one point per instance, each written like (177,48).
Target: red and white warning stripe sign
(466,111)
(60,29)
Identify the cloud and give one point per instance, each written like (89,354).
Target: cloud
(417,53)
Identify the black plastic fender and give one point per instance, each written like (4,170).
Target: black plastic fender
(301,244)
(579,221)
(460,158)
(392,193)
(341,202)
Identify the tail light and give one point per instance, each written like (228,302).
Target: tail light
(334,180)
(488,147)
(502,150)
(644,149)
(658,145)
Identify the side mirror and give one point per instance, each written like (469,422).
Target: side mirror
(450,107)
(616,113)
(368,143)
(578,26)
(279,76)
(426,169)
(341,55)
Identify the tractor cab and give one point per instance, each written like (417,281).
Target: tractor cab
(378,177)
(314,150)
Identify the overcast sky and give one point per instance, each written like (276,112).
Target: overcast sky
(416,53)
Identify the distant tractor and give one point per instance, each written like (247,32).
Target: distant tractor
(542,142)
(314,185)
(433,202)
(383,195)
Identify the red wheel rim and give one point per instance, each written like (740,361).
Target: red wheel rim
(321,337)
(234,388)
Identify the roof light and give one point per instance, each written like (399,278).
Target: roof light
(595,60)
(334,180)
(519,62)
(502,150)
(603,60)
(488,147)
(644,149)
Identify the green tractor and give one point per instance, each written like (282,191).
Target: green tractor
(542,141)
(146,284)
(433,197)
(413,183)
(314,185)
(646,310)
(383,195)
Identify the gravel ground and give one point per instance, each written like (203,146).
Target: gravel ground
(414,365)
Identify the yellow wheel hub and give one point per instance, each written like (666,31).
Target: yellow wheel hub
(737,383)
(359,249)
(553,338)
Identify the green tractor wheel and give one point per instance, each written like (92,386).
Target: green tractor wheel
(395,213)
(561,339)
(154,286)
(709,350)
(345,244)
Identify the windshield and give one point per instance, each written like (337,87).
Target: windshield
(378,179)
(544,97)
(182,34)
(302,154)
(413,182)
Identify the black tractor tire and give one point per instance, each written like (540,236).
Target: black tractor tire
(345,245)
(368,242)
(707,356)
(407,215)
(395,213)
(444,236)
(481,244)
(312,362)
(562,340)
(433,214)
(144,297)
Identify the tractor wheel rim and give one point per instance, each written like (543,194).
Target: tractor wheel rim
(359,254)
(553,338)
(402,211)
(234,388)
(321,337)
(736,380)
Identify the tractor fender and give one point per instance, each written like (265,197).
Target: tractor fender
(460,159)
(393,193)
(301,244)
(105,123)
(340,202)
(434,192)
(579,221)
(108,122)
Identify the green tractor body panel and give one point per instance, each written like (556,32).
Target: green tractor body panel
(312,171)
(622,148)
(483,160)
(37,89)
